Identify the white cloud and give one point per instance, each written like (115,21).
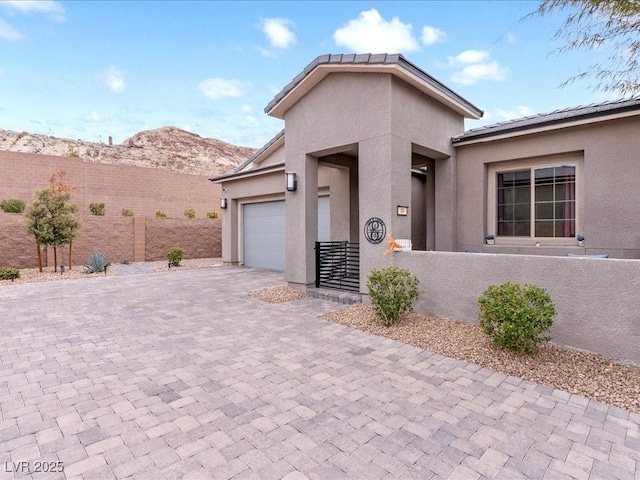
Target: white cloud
(511,38)
(473,66)
(94,117)
(216,88)
(266,52)
(370,33)
(8,32)
(278,32)
(471,74)
(48,7)
(114,79)
(519,112)
(469,57)
(246,108)
(249,121)
(431,35)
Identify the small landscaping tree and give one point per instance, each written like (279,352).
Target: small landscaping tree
(190,213)
(392,291)
(515,316)
(51,217)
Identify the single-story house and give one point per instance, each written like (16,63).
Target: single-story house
(375,146)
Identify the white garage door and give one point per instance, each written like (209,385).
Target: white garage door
(264,226)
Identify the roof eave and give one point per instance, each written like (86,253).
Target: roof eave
(402,69)
(247,173)
(543,126)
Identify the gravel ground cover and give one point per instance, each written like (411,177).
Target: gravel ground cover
(574,371)
(30,275)
(190,264)
(277,294)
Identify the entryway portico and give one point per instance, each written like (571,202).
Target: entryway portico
(372,131)
(389,118)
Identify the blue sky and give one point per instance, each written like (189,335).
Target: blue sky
(91,70)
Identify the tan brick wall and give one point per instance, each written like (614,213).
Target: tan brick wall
(143,190)
(117,237)
(17,248)
(198,238)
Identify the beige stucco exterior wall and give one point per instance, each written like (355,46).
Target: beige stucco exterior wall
(607,186)
(270,186)
(387,120)
(596,299)
(275,158)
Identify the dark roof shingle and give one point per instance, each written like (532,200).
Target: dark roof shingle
(556,117)
(372,59)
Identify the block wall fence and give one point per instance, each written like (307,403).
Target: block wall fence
(596,299)
(143,190)
(135,239)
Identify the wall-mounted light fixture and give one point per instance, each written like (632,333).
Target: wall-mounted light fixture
(292,183)
(402,211)
(223,203)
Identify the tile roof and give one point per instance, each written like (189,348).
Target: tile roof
(277,137)
(556,117)
(372,59)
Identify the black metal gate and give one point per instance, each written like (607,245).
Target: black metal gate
(338,265)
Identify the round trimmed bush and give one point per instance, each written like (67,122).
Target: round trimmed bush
(392,291)
(516,316)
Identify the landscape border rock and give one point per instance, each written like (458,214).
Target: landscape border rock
(277,294)
(576,372)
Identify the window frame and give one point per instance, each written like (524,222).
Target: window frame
(493,169)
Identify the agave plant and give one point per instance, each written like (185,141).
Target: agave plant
(97,263)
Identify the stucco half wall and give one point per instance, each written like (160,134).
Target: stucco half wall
(596,299)
(608,162)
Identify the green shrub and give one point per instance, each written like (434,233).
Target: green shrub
(127,213)
(515,316)
(9,273)
(213,215)
(12,205)
(97,263)
(161,214)
(174,254)
(392,291)
(97,209)
(190,213)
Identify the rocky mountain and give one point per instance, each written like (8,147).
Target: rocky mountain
(168,148)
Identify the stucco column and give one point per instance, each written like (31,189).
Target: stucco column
(354,229)
(230,240)
(445,204)
(302,221)
(339,197)
(384,182)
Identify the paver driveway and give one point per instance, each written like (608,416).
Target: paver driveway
(182,375)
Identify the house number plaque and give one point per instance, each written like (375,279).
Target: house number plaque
(375,230)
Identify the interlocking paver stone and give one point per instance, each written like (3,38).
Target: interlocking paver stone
(182,375)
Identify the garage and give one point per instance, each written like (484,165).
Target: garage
(264,227)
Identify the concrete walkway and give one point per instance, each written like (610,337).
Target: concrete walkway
(182,375)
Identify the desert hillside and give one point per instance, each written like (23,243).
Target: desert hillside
(168,148)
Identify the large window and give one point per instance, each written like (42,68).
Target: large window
(536,202)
